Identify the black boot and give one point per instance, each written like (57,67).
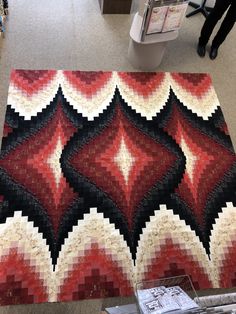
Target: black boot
(201,50)
(213,52)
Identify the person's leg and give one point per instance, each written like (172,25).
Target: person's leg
(219,9)
(224,30)
(226,26)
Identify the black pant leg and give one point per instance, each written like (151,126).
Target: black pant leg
(216,14)
(226,26)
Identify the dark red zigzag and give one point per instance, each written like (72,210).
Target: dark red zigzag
(27,164)
(19,282)
(31,82)
(88,83)
(95,275)
(172,260)
(227,268)
(196,83)
(210,167)
(96,162)
(143,83)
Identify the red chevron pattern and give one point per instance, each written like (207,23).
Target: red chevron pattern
(106,177)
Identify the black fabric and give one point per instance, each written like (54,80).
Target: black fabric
(3,7)
(216,14)
(5,4)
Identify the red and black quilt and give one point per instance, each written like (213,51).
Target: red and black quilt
(111,178)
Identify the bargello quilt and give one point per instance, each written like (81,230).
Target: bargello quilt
(112,178)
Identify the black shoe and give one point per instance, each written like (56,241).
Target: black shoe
(201,50)
(213,53)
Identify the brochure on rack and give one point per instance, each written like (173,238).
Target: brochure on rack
(162,300)
(174,17)
(162,16)
(157,19)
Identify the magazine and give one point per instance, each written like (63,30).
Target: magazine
(180,297)
(162,300)
(157,19)
(174,17)
(156,301)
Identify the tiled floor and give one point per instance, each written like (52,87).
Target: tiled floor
(72,34)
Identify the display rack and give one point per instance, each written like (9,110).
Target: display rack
(150,39)
(146,51)
(199,9)
(162,16)
(183,283)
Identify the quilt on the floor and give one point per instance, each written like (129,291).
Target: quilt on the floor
(111,178)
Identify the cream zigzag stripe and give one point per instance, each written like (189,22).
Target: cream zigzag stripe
(94,228)
(29,106)
(165,224)
(203,106)
(18,232)
(147,106)
(222,235)
(89,107)
(191,159)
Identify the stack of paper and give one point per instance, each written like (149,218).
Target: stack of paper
(163,300)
